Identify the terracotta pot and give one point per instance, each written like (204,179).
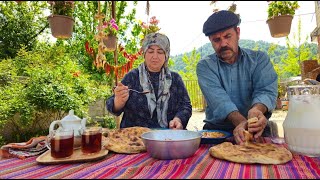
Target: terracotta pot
(61,26)
(285,104)
(110,42)
(279,104)
(280,26)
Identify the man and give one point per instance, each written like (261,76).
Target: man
(237,83)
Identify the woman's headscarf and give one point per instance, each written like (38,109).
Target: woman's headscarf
(165,79)
(158,39)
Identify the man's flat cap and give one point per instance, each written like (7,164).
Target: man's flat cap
(220,21)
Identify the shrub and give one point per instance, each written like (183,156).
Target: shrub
(52,84)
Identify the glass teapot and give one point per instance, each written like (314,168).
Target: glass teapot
(71,122)
(302,123)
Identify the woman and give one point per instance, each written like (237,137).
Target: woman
(167,105)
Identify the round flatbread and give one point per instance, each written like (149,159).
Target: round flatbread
(126,140)
(262,153)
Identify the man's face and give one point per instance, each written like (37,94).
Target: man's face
(225,43)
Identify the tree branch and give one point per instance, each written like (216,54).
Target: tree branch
(33,37)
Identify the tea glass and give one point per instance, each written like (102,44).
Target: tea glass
(91,139)
(60,143)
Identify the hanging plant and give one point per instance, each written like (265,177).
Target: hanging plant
(118,62)
(280,15)
(61,20)
(110,39)
(150,27)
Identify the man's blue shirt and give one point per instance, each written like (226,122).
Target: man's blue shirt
(236,87)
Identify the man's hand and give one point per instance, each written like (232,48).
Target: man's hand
(175,123)
(238,133)
(240,122)
(257,128)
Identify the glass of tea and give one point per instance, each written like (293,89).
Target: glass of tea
(91,139)
(60,142)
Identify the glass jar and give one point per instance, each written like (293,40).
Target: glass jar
(302,123)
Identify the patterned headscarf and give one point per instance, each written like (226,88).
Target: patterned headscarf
(165,79)
(160,40)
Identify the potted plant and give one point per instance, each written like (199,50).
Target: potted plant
(150,27)
(280,15)
(61,20)
(110,29)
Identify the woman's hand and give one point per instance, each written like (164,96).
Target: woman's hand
(175,123)
(121,96)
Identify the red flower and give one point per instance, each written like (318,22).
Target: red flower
(76,74)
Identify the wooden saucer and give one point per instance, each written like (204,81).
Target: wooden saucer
(76,157)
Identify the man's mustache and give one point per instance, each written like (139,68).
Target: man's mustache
(225,49)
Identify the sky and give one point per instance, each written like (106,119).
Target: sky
(182,21)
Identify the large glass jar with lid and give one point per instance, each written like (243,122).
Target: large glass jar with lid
(302,123)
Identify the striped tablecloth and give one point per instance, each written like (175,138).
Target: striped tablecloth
(142,166)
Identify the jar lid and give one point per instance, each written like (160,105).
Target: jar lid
(304,90)
(304,86)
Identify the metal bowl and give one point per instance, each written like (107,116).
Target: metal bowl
(171,144)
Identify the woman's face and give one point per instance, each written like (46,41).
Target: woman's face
(155,58)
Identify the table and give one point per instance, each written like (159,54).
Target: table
(142,166)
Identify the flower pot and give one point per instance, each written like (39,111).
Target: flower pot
(280,25)
(61,26)
(285,104)
(110,42)
(279,104)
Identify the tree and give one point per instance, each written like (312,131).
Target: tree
(20,25)
(189,71)
(290,64)
(279,71)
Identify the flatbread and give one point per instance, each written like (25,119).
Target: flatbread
(252,120)
(249,136)
(212,135)
(126,140)
(249,153)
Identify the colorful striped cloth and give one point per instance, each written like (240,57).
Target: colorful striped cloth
(142,166)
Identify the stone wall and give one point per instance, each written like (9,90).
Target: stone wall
(98,109)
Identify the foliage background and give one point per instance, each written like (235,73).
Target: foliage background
(41,80)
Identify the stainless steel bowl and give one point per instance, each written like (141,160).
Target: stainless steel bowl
(171,144)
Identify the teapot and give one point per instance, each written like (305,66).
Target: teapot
(71,122)
(302,123)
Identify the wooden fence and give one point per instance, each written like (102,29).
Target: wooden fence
(197,100)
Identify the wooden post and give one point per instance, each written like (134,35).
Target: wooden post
(115,54)
(115,57)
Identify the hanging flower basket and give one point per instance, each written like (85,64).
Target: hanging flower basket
(280,26)
(110,42)
(61,26)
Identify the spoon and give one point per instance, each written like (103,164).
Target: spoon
(140,92)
